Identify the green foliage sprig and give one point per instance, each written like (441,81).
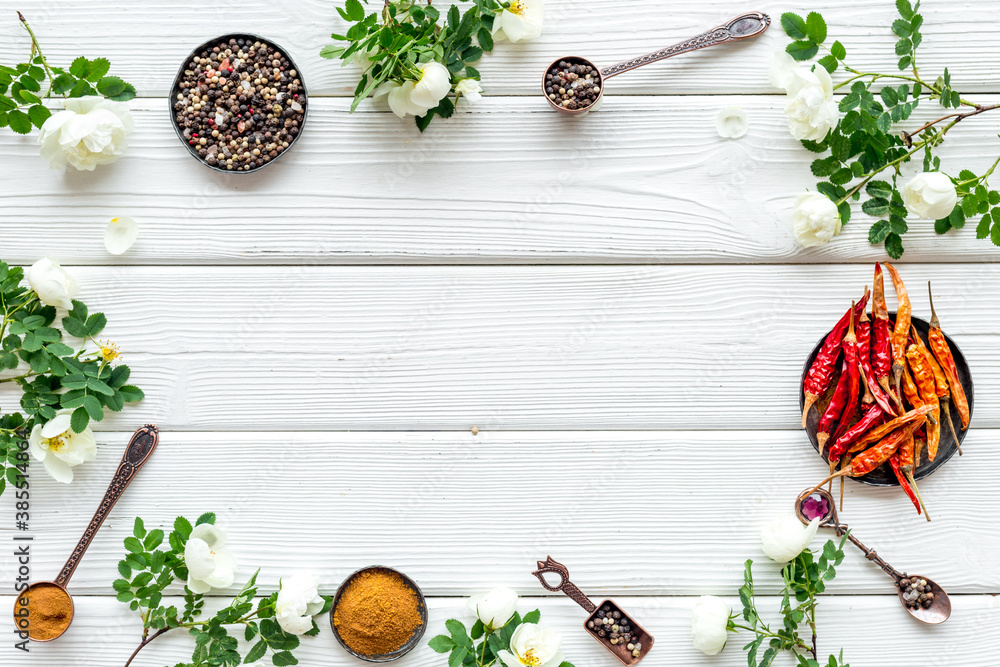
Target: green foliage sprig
(480,646)
(804,579)
(147,571)
(51,374)
(21,96)
(864,143)
(407,33)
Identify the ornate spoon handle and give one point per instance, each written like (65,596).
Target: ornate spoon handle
(746,25)
(139,449)
(565,585)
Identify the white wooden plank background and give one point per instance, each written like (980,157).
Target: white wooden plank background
(324,334)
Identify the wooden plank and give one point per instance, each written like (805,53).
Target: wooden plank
(645,180)
(673,512)
(106,628)
(957,35)
(446,348)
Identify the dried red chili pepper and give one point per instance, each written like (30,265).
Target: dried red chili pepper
(907,466)
(821,372)
(881,338)
(873,391)
(924,379)
(904,483)
(872,418)
(917,414)
(901,332)
(942,352)
(853,379)
(834,409)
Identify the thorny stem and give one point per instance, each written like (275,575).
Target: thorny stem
(959,117)
(36,48)
(142,645)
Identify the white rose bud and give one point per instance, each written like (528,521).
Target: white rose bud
(495,608)
(52,284)
(786,537)
(815,220)
(710,624)
(811,109)
(930,195)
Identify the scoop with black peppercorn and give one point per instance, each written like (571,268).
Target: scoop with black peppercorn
(607,623)
(573,85)
(238,103)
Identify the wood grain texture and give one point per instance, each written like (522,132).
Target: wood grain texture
(958,35)
(674,513)
(645,180)
(428,348)
(105,633)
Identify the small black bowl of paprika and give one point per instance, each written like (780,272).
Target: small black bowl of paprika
(238,103)
(379,614)
(883,475)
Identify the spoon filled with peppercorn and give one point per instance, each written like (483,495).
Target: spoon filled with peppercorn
(573,85)
(925,600)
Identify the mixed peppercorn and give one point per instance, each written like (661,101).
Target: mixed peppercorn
(611,625)
(239,103)
(573,85)
(892,393)
(917,593)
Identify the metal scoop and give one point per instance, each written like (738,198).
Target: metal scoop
(744,26)
(606,633)
(139,449)
(939,607)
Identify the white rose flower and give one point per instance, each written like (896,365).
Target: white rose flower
(811,109)
(786,537)
(88,132)
(495,608)
(532,646)
(710,624)
(782,69)
(731,123)
(470,90)
(930,195)
(416,98)
(298,601)
(52,284)
(522,20)
(208,565)
(815,220)
(60,448)
(120,235)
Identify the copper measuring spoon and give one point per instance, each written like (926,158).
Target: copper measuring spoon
(139,449)
(940,608)
(594,623)
(744,26)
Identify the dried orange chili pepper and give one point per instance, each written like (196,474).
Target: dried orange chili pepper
(910,391)
(872,418)
(904,483)
(873,457)
(942,352)
(901,332)
(940,384)
(917,414)
(820,374)
(924,379)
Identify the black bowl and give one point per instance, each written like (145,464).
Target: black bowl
(414,639)
(883,475)
(175,88)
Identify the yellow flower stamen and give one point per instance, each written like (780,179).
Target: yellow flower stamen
(109,351)
(530,659)
(56,443)
(516,7)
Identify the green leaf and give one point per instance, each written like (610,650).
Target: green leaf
(331,51)
(19,121)
(457,656)
(183,527)
(80,68)
(838,51)
(98,68)
(889,96)
(131,394)
(794,25)
(905,9)
(904,64)
(256,653)
(96,324)
(133,545)
(93,408)
(983,228)
(153,540)
(816,27)
(845,212)
(957,218)
(995,234)
(485,39)
(876,207)
(904,47)
(63,83)
(207,517)
(878,232)
(441,644)
(803,50)
(80,420)
(880,189)
(115,89)
(139,530)
(355,11)
(532,616)
(284,658)
(829,63)
(894,246)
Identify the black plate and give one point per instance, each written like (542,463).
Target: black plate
(414,639)
(883,475)
(176,87)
